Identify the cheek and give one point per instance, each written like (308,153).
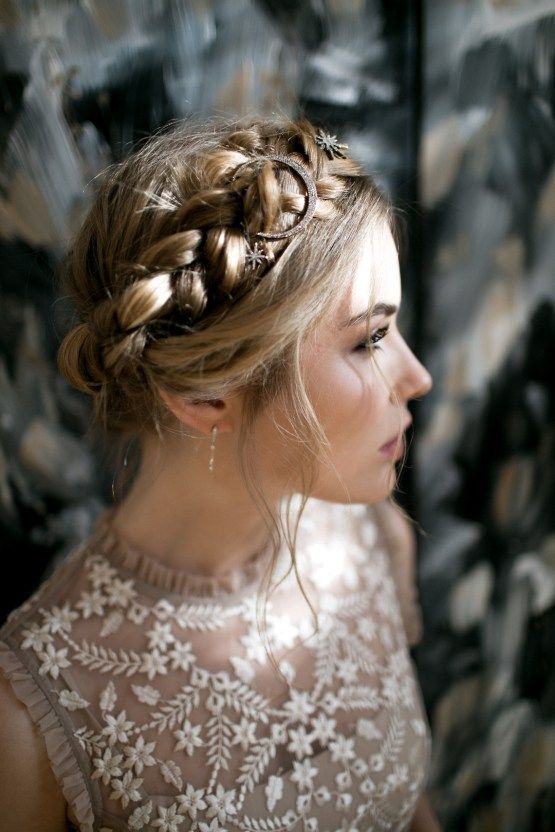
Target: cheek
(346,394)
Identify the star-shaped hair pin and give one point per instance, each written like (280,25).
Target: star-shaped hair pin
(330,144)
(255,256)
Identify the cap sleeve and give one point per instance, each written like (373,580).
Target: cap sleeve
(62,759)
(397,537)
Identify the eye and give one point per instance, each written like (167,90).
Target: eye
(372,344)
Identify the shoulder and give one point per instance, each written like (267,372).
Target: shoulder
(31,798)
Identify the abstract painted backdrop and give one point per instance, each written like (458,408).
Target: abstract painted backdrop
(450,105)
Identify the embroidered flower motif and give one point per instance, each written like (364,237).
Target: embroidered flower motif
(244,734)
(107,766)
(59,619)
(323,728)
(160,636)
(35,637)
(343,801)
(139,755)
(343,780)
(342,749)
(119,593)
(279,733)
(359,767)
(330,703)
(199,677)
(188,738)
(100,573)
(303,774)
(168,819)
(299,707)
(137,613)
(303,803)
(126,789)
(192,801)
(215,703)
(377,762)
(273,791)
(181,655)
(53,661)
(153,663)
(301,744)
(322,795)
(91,603)
(221,804)
(219,720)
(347,671)
(163,609)
(117,728)
(367,787)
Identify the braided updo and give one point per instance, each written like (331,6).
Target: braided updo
(169,294)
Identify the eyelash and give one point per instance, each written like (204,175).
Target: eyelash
(373,345)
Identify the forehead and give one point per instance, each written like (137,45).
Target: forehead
(376,275)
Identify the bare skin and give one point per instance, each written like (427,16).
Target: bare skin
(172,505)
(175,500)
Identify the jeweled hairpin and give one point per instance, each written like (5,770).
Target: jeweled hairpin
(255,255)
(330,144)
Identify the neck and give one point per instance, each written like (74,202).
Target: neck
(188,517)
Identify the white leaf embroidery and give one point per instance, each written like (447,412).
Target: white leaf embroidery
(112,623)
(71,700)
(108,697)
(243,669)
(172,774)
(146,694)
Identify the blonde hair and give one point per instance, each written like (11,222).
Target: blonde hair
(166,300)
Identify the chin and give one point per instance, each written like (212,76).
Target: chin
(380,487)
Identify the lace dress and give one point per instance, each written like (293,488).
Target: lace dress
(160,709)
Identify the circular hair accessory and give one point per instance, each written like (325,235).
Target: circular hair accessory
(310,193)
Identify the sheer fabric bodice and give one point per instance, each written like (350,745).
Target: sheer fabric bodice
(161,709)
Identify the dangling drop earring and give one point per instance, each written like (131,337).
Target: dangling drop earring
(212,448)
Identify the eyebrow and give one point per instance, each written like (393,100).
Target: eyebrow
(378,309)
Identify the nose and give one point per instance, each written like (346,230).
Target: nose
(414,380)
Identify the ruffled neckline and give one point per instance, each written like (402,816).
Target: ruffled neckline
(107,541)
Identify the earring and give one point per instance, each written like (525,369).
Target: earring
(212,448)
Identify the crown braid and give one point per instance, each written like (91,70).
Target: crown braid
(204,262)
(170,248)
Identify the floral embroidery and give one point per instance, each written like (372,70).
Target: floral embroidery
(183,722)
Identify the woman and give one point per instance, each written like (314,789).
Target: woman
(227,650)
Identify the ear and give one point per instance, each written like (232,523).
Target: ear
(202,414)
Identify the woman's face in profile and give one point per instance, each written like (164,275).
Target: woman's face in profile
(351,399)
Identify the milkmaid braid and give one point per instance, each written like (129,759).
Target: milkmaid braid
(173,275)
